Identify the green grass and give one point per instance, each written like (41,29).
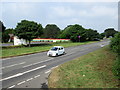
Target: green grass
(93,70)
(12,51)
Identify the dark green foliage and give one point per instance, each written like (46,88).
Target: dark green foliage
(102,35)
(91,35)
(5,35)
(115,46)
(28,30)
(73,31)
(115,43)
(110,32)
(2,27)
(116,67)
(51,31)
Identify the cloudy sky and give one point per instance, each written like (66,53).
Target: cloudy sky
(95,15)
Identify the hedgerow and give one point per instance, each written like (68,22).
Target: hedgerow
(115,46)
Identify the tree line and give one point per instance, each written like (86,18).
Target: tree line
(29,30)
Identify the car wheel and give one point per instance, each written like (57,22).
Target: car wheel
(56,54)
(64,53)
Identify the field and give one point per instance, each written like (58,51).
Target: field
(93,70)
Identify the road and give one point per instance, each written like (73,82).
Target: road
(31,71)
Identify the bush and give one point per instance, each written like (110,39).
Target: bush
(115,46)
(115,43)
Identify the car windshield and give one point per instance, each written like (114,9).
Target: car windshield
(54,49)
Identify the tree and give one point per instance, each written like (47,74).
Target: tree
(77,33)
(2,27)
(110,32)
(102,35)
(91,35)
(72,32)
(6,35)
(28,30)
(51,31)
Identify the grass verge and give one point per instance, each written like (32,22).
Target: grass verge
(93,70)
(16,51)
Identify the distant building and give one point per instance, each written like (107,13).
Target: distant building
(18,41)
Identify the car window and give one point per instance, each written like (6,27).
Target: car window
(54,49)
(59,48)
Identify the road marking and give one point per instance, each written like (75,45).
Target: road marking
(54,67)
(19,74)
(27,65)
(34,69)
(29,79)
(6,58)
(38,62)
(21,83)
(47,71)
(11,86)
(36,76)
(12,65)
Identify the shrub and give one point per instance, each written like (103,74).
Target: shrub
(116,67)
(115,43)
(115,46)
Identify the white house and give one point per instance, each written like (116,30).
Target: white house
(18,41)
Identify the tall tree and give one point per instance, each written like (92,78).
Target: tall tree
(110,32)
(2,27)
(28,30)
(6,35)
(77,33)
(91,34)
(51,31)
(72,32)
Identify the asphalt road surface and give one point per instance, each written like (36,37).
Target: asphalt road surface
(31,71)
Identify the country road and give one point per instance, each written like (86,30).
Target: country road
(31,71)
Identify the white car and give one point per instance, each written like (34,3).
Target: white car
(56,50)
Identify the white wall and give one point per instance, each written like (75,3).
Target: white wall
(18,41)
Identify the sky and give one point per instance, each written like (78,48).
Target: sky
(95,15)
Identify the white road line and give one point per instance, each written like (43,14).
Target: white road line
(38,62)
(47,71)
(19,74)
(12,65)
(29,79)
(27,65)
(6,58)
(36,76)
(34,69)
(11,86)
(21,83)
(54,67)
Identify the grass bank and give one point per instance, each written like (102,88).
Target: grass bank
(15,51)
(93,70)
